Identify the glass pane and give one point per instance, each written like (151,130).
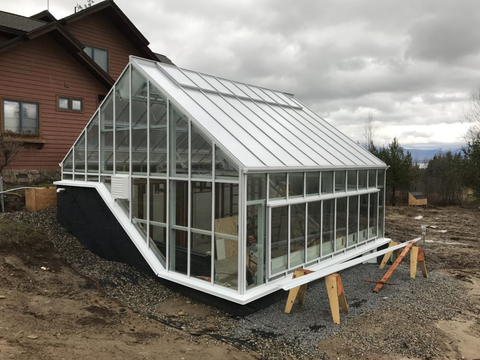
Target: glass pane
(372,177)
(122,124)
(381,178)
(226,261)
(158,200)
(11,115)
(256,187)
(68,162)
(63,103)
(89,51)
(362,179)
(67,176)
(224,167)
(278,183)
(312,183)
(226,235)
(201,256)
(178,142)
(201,154)
(139,123)
(178,251)
(373,215)
(313,230)
(328,226)
(295,184)
(340,181)
(279,237)
(77,105)
(106,126)
(363,217)
(351,180)
(101,58)
(92,145)
(179,203)
(255,245)
(29,118)
(297,235)
(80,154)
(381,213)
(327,182)
(158,132)
(341,228)
(139,198)
(158,236)
(201,205)
(352,220)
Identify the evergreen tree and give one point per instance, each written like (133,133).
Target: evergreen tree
(400,173)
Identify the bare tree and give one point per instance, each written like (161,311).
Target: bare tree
(471,115)
(369,133)
(9,149)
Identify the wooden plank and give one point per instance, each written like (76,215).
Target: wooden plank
(394,266)
(379,282)
(413,261)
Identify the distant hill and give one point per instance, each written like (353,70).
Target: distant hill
(420,155)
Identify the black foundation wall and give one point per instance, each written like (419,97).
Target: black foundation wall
(86,216)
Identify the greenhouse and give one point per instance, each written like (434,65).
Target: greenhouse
(222,186)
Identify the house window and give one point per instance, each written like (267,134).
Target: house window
(20,116)
(100,56)
(69,104)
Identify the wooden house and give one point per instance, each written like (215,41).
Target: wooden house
(53,76)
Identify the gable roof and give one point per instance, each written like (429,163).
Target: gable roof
(120,20)
(18,24)
(262,129)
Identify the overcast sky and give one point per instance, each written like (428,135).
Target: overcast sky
(412,64)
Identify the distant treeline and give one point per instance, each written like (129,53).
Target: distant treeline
(449,178)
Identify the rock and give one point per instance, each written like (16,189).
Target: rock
(196,332)
(2,297)
(209,327)
(181,313)
(33,337)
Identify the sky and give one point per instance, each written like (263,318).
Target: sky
(412,65)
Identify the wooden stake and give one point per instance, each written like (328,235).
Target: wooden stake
(336,296)
(393,267)
(386,257)
(417,255)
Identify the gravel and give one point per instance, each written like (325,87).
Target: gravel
(397,320)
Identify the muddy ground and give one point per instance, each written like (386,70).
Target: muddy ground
(49,309)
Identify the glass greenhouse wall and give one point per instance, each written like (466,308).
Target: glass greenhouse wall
(225,194)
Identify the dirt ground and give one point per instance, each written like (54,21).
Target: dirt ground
(49,311)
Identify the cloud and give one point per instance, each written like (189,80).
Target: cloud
(412,64)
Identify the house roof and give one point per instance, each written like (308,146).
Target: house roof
(259,127)
(418,195)
(18,24)
(118,17)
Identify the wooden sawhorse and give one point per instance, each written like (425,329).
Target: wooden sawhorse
(335,291)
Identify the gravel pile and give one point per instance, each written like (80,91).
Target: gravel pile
(397,320)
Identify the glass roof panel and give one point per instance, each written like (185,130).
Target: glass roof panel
(245,132)
(274,97)
(286,98)
(177,75)
(197,79)
(289,154)
(216,84)
(235,90)
(247,91)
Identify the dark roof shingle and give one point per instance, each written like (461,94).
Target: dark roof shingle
(19,23)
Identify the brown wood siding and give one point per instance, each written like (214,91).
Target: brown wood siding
(38,70)
(98,31)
